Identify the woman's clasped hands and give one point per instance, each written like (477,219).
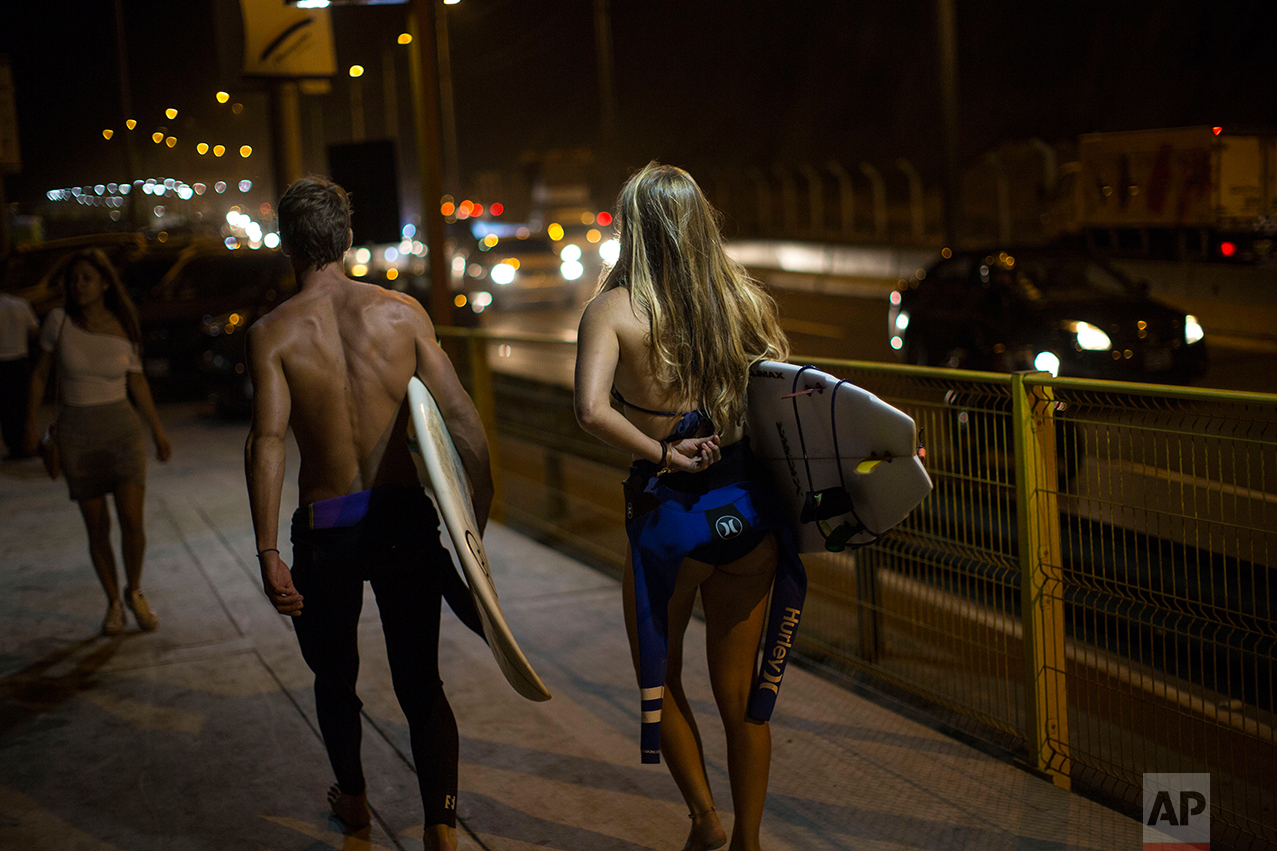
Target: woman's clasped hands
(694,454)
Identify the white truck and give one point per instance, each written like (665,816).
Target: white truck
(1210,191)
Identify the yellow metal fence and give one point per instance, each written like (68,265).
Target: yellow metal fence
(1091,584)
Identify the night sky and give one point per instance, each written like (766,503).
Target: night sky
(706,84)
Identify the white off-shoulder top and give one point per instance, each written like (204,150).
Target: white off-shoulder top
(93,368)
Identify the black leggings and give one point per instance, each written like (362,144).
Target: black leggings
(396,547)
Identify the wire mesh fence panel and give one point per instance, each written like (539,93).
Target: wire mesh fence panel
(1089,583)
(1169,533)
(943,587)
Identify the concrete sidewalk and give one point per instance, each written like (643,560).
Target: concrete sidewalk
(202,735)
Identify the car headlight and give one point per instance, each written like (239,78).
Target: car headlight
(502,273)
(609,251)
(571,270)
(1193,332)
(1090,338)
(1048,362)
(902,320)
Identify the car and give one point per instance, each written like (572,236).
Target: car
(529,271)
(1061,311)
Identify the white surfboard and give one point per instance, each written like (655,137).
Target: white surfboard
(834,447)
(440,470)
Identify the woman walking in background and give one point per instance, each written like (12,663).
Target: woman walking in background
(670,338)
(96,344)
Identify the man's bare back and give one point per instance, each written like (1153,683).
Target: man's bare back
(347,352)
(333,363)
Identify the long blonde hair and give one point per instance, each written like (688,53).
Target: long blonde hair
(708,321)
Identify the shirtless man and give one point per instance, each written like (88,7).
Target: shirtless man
(333,362)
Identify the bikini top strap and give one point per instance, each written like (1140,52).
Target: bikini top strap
(616,394)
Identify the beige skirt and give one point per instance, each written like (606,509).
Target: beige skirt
(102,446)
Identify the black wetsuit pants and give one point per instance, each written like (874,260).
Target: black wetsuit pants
(396,547)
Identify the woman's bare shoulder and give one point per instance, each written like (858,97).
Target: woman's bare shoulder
(612,308)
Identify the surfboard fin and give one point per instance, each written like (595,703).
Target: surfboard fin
(820,506)
(823,504)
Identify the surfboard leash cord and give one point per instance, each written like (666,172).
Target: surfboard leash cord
(836,539)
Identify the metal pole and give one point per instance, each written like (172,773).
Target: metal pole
(425,98)
(4,218)
(917,214)
(1003,183)
(846,199)
(356,109)
(286,120)
(1037,512)
(946,26)
(318,145)
(607,86)
(391,94)
(878,188)
(788,200)
(448,115)
(815,199)
(126,108)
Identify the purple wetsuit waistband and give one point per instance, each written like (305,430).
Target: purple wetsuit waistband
(340,511)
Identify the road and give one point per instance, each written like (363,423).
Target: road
(849,326)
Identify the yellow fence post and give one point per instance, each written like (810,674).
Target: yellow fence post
(485,402)
(1041,581)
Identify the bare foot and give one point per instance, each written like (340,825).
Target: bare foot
(707,833)
(351,809)
(440,837)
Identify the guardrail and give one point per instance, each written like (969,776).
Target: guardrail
(1090,585)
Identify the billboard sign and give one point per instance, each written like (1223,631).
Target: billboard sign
(285,41)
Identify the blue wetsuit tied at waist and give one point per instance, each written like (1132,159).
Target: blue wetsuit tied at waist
(716,517)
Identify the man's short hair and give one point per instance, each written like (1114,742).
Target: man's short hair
(314,222)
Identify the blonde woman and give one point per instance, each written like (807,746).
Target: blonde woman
(670,338)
